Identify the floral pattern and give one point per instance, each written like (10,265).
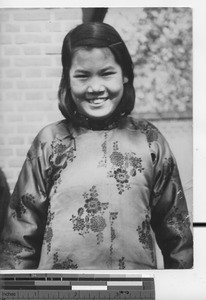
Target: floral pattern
(122,263)
(103,161)
(124,167)
(90,217)
(151,132)
(14,249)
(58,161)
(20,204)
(98,221)
(48,230)
(167,170)
(168,166)
(145,237)
(65,265)
(178,221)
(112,218)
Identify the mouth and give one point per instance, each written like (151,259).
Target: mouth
(97,101)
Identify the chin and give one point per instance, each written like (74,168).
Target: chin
(99,116)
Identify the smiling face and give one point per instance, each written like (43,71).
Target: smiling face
(96,82)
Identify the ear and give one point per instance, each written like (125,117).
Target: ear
(125,79)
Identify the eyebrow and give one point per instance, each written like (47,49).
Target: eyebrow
(102,70)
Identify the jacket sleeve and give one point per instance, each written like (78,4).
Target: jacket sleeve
(23,231)
(170,219)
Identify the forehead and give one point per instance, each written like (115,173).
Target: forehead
(98,57)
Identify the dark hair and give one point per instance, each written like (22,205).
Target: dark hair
(95,35)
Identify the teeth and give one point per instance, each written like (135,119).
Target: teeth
(98,101)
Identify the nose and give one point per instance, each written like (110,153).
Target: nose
(95,86)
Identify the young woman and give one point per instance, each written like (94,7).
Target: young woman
(98,186)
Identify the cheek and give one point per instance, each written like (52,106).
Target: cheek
(117,88)
(76,89)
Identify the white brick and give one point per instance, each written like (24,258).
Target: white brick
(34,84)
(17,140)
(13,73)
(21,152)
(53,49)
(6,152)
(53,26)
(68,14)
(28,128)
(11,50)
(13,95)
(33,27)
(32,61)
(14,117)
(5,62)
(6,84)
(16,163)
(32,38)
(5,39)
(32,15)
(4,16)
(32,50)
(32,73)
(33,95)
(35,117)
(12,27)
(54,72)
(52,95)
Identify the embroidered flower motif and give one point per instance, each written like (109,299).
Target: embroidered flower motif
(113,234)
(97,223)
(121,176)
(103,161)
(145,237)
(80,211)
(168,167)
(122,263)
(78,224)
(14,250)
(150,131)
(183,264)
(61,154)
(178,221)
(49,235)
(48,230)
(64,265)
(136,163)
(21,204)
(117,159)
(152,134)
(90,217)
(59,148)
(92,205)
(124,166)
(112,218)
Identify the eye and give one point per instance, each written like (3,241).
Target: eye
(108,73)
(81,76)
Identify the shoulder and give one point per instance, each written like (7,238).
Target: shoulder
(58,129)
(144,127)
(155,139)
(43,141)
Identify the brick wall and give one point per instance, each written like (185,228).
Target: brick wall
(30,70)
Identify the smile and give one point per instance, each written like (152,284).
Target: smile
(97,101)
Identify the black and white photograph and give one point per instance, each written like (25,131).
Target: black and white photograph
(96,138)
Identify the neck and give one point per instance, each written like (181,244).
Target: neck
(96,124)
